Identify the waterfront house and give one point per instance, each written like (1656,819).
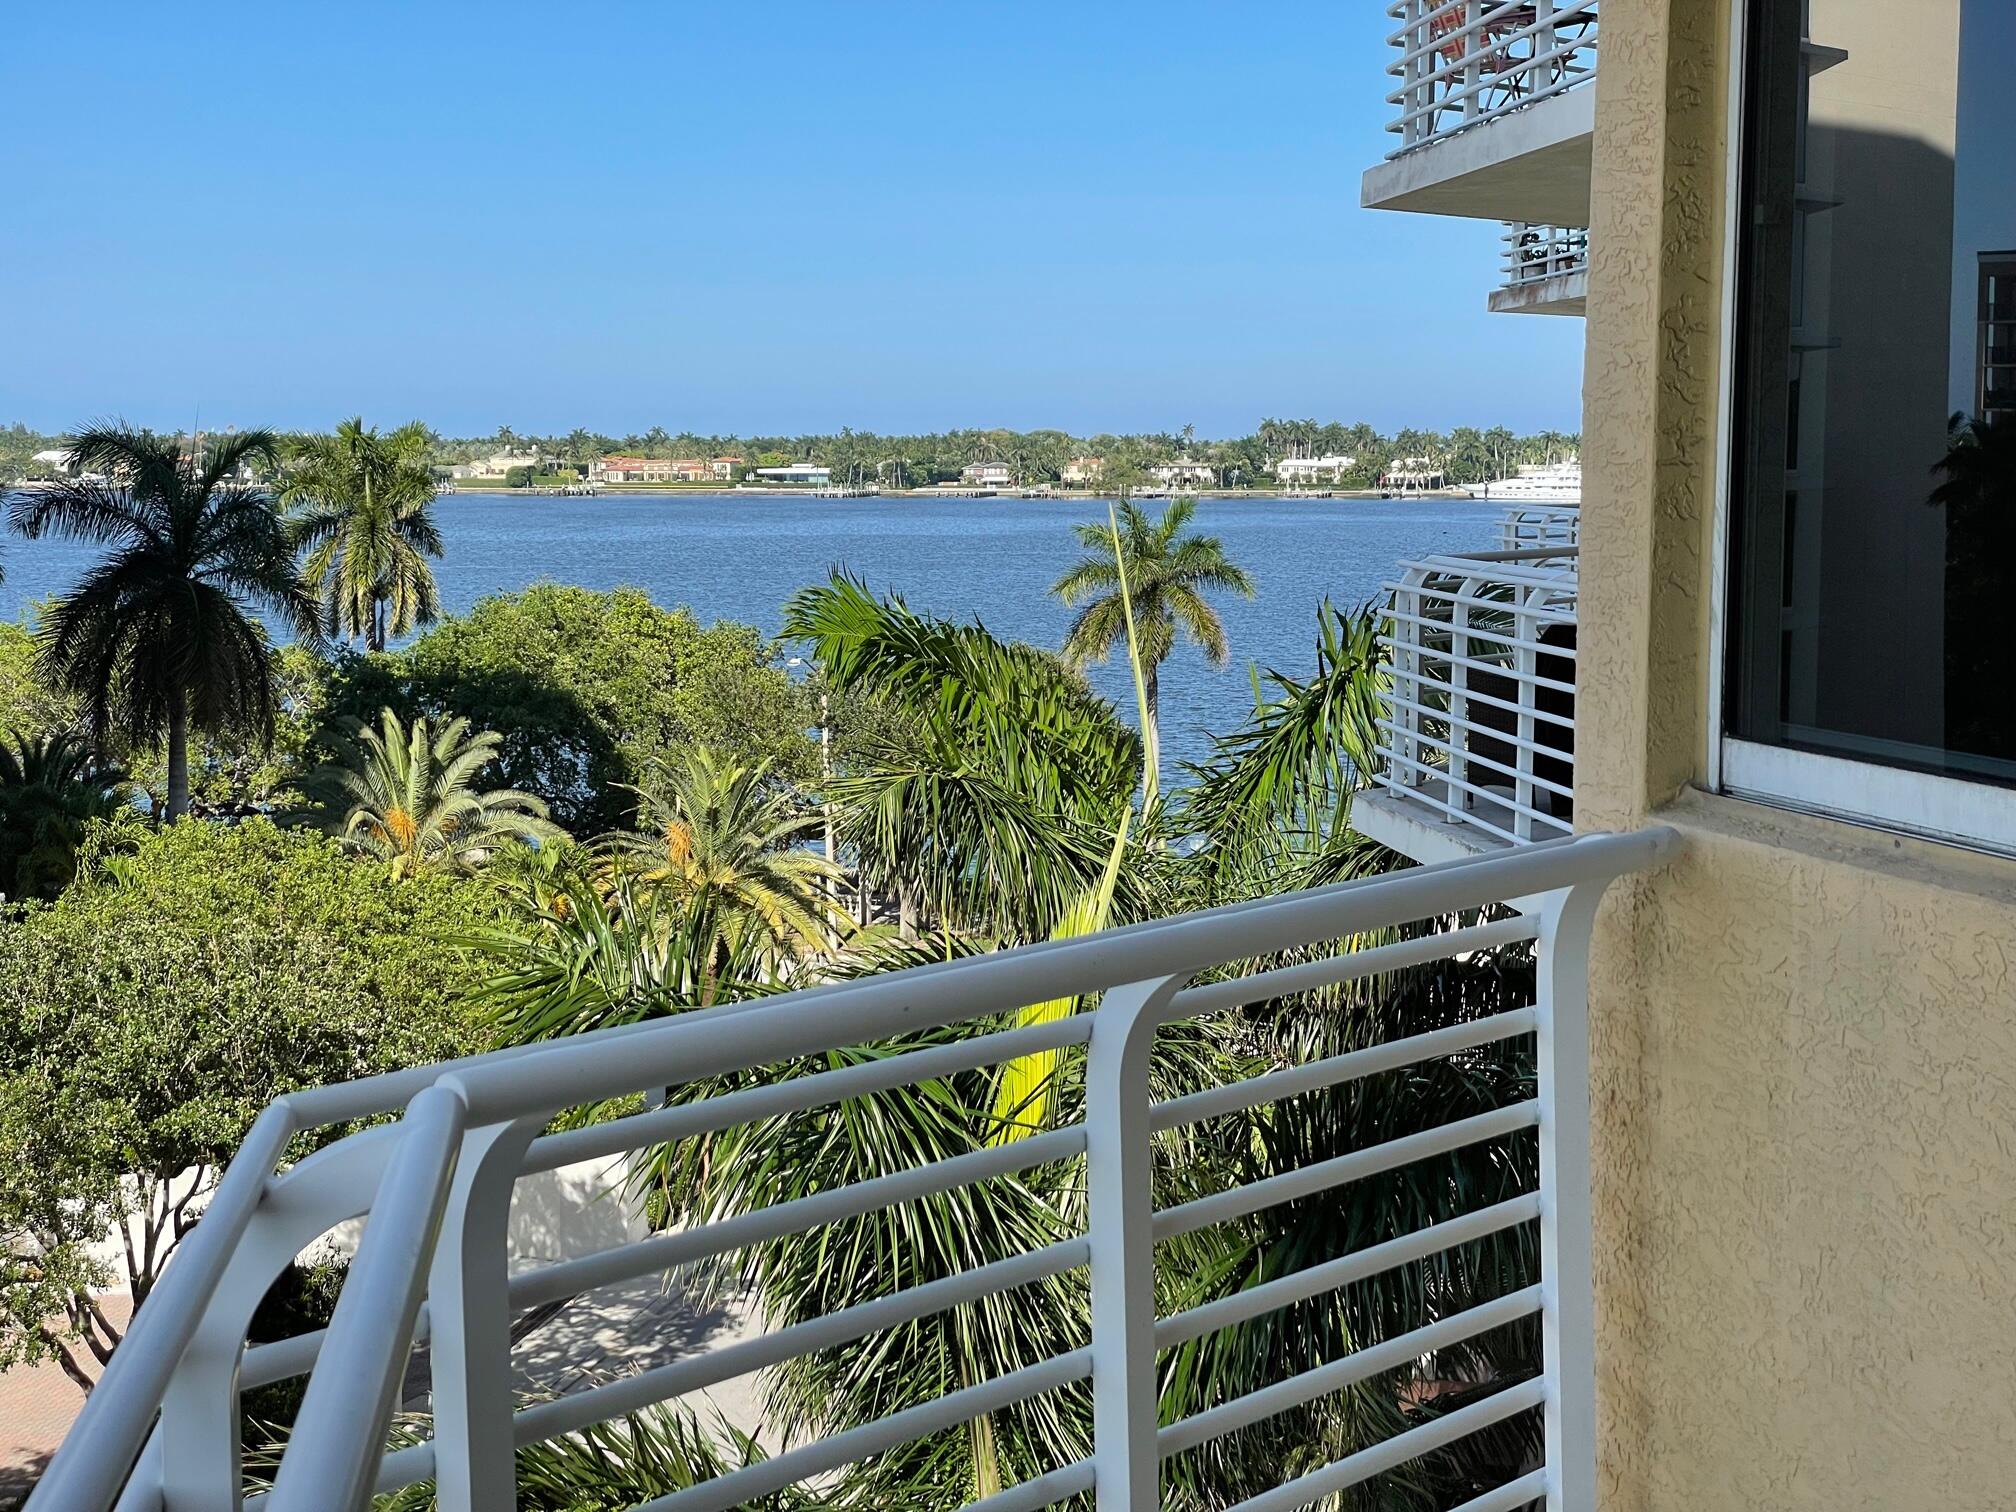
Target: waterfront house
(1183,474)
(1752,688)
(1413,475)
(1309,472)
(987,475)
(632,470)
(722,469)
(797,472)
(1081,472)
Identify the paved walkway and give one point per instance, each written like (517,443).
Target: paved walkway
(616,1331)
(37,1405)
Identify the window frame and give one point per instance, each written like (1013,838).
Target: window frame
(1893,799)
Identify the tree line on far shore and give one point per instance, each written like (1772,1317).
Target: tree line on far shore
(1469,454)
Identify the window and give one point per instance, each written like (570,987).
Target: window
(1872,520)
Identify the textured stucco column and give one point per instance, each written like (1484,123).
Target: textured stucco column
(1804,1032)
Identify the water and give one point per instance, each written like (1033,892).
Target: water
(741,556)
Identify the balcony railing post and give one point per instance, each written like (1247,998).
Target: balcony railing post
(201,1454)
(469,1313)
(1460,801)
(1568,1319)
(1525,668)
(1122,1233)
(1473,57)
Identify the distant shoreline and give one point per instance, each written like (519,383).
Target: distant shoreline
(729,491)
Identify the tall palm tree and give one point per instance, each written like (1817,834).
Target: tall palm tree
(51,788)
(406,795)
(362,509)
(1168,573)
(732,851)
(156,640)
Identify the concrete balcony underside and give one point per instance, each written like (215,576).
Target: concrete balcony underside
(1560,294)
(1532,165)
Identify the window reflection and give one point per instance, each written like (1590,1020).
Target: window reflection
(1874,542)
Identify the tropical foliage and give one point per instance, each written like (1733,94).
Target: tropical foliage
(362,510)
(159,640)
(977,793)
(51,788)
(727,847)
(1167,574)
(407,795)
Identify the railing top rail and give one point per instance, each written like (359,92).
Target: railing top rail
(987,984)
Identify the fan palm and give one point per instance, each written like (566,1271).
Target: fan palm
(156,639)
(732,850)
(1168,574)
(51,788)
(406,795)
(362,507)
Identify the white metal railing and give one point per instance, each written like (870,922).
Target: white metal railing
(1479,725)
(1524,528)
(1465,62)
(1534,254)
(435,1187)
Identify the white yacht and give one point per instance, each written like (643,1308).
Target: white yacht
(1546,483)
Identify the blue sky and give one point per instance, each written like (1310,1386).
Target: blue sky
(762,216)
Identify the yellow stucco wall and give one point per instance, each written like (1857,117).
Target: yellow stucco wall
(1804,1032)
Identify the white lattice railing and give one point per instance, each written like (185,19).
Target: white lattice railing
(1479,725)
(1553,525)
(1465,62)
(1534,254)
(434,1187)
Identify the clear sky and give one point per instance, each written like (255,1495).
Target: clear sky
(770,215)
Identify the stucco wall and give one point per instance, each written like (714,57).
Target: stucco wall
(1804,1032)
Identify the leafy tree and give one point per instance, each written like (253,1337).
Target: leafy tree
(156,641)
(28,705)
(51,788)
(407,796)
(190,975)
(1168,574)
(587,688)
(362,510)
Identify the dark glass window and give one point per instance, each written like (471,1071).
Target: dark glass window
(1873,545)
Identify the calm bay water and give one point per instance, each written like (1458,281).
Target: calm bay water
(741,556)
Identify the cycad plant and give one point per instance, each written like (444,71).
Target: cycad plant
(51,788)
(159,638)
(361,508)
(407,795)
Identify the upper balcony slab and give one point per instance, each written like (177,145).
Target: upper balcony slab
(1530,164)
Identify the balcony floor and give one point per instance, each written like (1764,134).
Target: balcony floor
(1424,834)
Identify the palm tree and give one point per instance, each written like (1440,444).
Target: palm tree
(997,795)
(156,640)
(362,510)
(406,796)
(731,849)
(1168,573)
(51,788)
